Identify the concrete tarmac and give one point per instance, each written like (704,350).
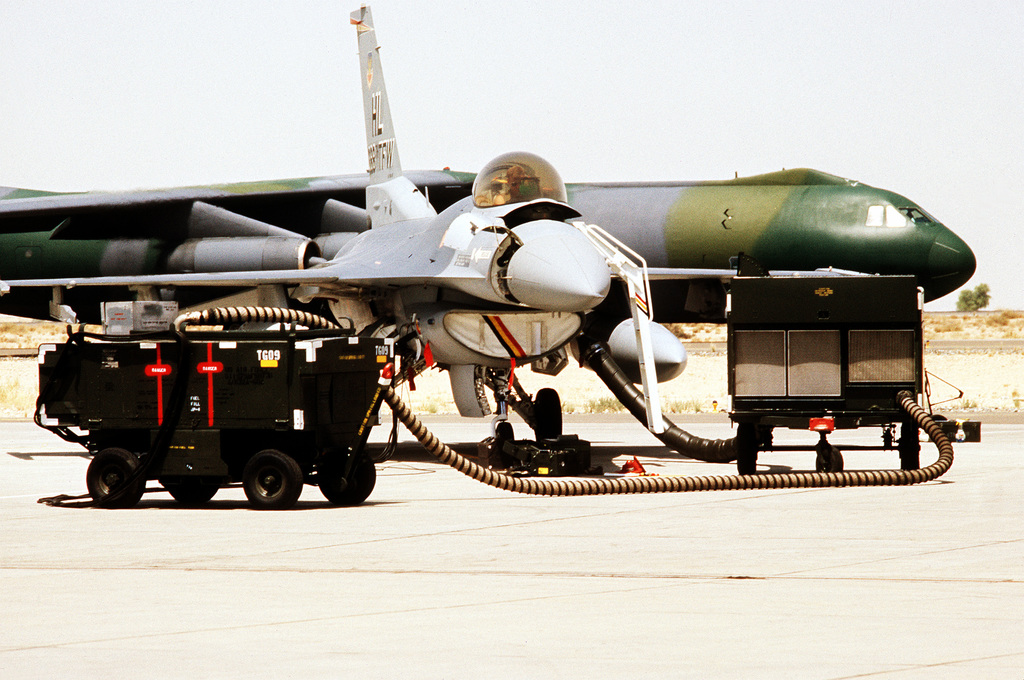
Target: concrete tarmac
(439,576)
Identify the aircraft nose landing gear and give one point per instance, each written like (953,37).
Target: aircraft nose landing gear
(551,454)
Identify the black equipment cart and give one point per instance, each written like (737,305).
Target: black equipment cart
(204,409)
(823,353)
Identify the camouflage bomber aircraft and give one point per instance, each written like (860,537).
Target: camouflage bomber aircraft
(790,220)
(389,248)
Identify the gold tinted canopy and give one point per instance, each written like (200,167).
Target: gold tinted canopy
(517,177)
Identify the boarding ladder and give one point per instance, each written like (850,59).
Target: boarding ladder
(629,266)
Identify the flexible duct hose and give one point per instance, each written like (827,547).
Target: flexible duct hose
(596,355)
(229,315)
(590,486)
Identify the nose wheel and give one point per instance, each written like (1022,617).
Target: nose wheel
(547,414)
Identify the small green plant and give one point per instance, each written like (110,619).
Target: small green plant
(603,405)
(684,406)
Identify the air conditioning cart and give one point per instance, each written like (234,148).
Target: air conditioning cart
(824,353)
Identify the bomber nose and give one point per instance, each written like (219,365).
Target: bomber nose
(557,269)
(951,264)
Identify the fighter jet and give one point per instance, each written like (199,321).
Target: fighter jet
(509,271)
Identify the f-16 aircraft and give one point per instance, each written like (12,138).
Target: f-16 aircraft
(486,270)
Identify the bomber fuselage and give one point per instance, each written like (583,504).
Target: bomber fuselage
(789,220)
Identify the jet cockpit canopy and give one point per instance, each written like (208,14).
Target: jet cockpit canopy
(517,177)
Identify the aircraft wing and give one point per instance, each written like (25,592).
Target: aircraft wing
(724,275)
(230,279)
(389,256)
(136,214)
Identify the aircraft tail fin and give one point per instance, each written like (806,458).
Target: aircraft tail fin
(390,197)
(380,133)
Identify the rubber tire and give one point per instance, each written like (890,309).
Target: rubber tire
(494,455)
(547,414)
(272,480)
(829,459)
(353,491)
(191,492)
(746,448)
(107,472)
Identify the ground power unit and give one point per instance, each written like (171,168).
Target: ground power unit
(205,409)
(823,353)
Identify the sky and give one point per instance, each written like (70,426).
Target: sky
(922,98)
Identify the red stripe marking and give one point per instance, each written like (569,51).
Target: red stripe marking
(209,368)
(159,388)
(158,371)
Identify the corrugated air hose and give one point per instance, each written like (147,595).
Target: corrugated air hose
(595,355)
(231,315)
(592,486)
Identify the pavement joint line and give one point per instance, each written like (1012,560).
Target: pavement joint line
(918,667)
(584,575)
(492,527)
(913,555)
(322,619)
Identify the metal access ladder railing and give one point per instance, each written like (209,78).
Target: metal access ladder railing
(629,266)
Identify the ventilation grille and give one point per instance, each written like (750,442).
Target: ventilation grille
(787,363)
(814,364)
(760,363)
(882,356)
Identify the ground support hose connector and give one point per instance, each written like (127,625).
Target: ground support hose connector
(595,354)
(591,486)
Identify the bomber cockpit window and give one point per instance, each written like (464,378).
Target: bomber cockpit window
(517,177)
(917,216)
(887,216)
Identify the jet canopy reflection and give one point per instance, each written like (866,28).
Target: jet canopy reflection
(517,177)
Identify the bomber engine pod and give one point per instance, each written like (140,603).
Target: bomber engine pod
(669,354)
(242,253)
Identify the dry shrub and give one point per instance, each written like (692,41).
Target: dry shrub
(19,386)
(950,325)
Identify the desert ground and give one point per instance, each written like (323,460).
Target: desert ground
(991,379)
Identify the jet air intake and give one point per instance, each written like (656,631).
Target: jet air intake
(552,266)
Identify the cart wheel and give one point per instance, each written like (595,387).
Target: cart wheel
(107,473)
(349,492)
(829,459)
(746,448)
(272,480)
(190,491)
(547,414)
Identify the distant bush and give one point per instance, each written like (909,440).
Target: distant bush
(973,300)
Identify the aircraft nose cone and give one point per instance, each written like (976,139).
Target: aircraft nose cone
(557,269)
(950,265)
